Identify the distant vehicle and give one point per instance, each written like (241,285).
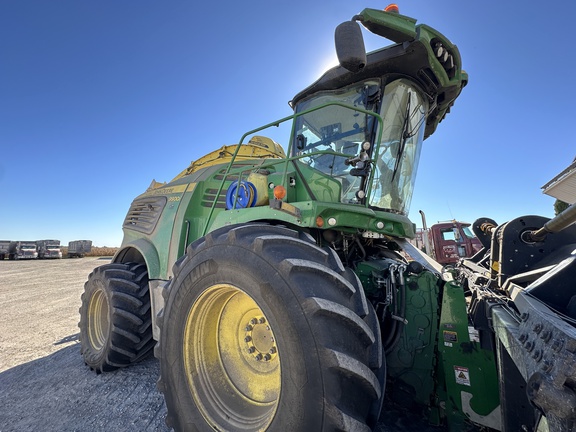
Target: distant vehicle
(448,242)
(48,249)
(79,248)
(4,246)
(22,250)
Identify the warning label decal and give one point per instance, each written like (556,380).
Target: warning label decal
(473,334)
(462,375)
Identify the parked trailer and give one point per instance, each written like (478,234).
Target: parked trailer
(4,246)
(49,249)
(79,248)
(22,250)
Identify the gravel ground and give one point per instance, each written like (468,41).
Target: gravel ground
(44,384)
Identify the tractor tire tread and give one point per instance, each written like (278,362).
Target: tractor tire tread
(130,334)
(337,313)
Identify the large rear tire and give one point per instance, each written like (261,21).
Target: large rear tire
(115,317)
(264,330)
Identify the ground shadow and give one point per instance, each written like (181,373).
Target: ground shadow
(58,392)
(68,339)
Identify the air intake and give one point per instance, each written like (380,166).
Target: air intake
(144,214)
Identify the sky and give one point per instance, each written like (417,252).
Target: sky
(97,98)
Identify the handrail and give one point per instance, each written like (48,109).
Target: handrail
(288,159)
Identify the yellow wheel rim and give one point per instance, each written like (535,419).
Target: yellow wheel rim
(98,322)
(231,360)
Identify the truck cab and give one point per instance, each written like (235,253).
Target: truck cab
(452,241)
(447,242)
(22,250)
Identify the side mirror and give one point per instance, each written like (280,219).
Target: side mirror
(350,46)
(300,142)
(457,237)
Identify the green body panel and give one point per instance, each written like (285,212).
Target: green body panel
(426,35)
(412,363)
(156,246)
(194,207)
(348,218)
(396,27)
(400,29)
(146,248)
(321,186)
(468,371)
(368,272)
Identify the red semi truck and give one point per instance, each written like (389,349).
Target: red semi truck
(447,242)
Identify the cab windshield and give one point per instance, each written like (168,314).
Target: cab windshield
(404,111)
(342,141)
(467,232)
(330,138)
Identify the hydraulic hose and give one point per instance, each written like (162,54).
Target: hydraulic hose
(398,320)
(391,333)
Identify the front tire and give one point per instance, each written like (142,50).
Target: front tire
(264,330)
(115,318)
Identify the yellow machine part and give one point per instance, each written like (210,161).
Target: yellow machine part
(260,182)
(155,185)
(231,358)
(258,147)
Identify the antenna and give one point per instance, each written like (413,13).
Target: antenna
(450,210)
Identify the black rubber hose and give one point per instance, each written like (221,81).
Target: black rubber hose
(399,321)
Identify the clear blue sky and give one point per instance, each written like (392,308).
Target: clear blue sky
(97,98)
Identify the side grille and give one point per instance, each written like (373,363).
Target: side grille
(209,197)
(144,214)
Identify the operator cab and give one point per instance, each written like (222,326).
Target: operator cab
(368,136)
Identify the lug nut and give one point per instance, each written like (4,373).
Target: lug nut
(253,321)
(547,366)
(248,328)
(251,350)
(272,350)
(259,357)
(262,320)
(537,355)
(546,335)
(557,345)
(247,339)
(267,357)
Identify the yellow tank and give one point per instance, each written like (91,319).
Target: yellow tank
(260,182)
